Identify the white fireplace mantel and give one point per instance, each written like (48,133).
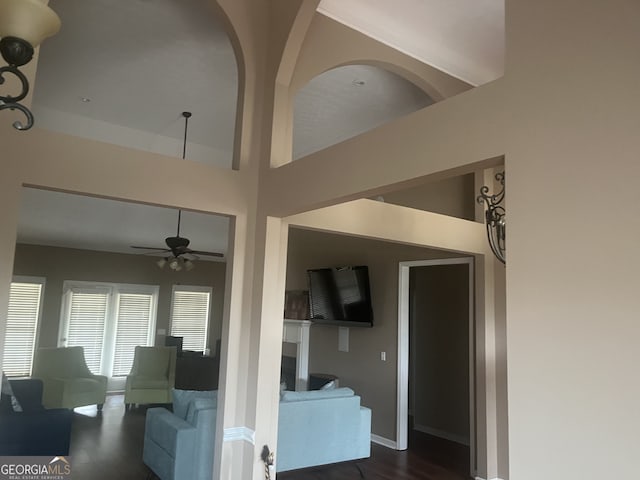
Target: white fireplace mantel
(297,331)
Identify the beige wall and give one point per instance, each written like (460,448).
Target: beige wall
(454,196)
(360,368)
(59,264)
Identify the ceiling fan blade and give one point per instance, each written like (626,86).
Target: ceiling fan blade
(157,249)
(211,254)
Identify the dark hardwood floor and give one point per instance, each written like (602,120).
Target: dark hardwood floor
(428,458)
(108,446)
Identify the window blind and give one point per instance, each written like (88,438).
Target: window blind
(87,317)
(133,325)
(190,316)
(108,320)
(22,325)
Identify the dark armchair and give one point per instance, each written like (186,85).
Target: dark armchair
(35,430)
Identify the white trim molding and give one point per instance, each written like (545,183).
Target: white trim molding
(480,478)
(235,434)
(385,442)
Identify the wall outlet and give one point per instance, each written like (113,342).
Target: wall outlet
(383,356)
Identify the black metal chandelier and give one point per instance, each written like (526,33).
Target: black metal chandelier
(23,25)
(495,218)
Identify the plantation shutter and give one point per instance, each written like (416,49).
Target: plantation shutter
(190,316)
(22,325)
(133,328)
(87,317)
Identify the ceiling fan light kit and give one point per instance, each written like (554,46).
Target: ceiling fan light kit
(181,256)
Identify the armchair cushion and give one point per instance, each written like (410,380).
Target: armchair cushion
(153,362)
(152,375)
(68,382)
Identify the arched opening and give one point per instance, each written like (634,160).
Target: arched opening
(114,76)
(347,101)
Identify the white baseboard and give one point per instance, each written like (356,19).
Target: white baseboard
(385,442)
(480,478)
(442,434)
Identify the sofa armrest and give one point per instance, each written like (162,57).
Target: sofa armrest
(28,391)
(102,379)
(168,435)
(43,433)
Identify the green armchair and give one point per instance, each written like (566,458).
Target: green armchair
(67,381)
(152,376)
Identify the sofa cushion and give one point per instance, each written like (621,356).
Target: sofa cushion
(289,396)
(182,398)
(198,404)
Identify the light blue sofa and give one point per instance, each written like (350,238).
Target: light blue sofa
(179,445)
(314,428)
(320,427)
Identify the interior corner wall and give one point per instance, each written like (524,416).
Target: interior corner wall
(57,264)
(501,372)
(361,367)
(455,196)
(574,232)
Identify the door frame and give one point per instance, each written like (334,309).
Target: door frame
(402,419)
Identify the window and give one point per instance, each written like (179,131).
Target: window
(190,311)
(108,321)
(23,318)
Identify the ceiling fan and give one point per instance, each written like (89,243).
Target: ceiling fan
(178,247)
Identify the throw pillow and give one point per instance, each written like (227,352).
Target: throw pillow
(182,399)
(7,390)
(329,385)
(198,404)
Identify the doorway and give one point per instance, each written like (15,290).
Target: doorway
(436,351)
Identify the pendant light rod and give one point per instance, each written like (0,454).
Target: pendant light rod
(187,116)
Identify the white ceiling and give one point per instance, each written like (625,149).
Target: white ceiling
(141,63)
(464,38)
(75,221)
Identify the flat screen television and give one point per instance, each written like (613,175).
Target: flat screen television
(340,296)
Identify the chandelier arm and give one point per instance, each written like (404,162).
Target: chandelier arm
(10,102)
(13,70)
(495,218)
(18,125)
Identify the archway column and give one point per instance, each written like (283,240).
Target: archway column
(10,188)
(251,354)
